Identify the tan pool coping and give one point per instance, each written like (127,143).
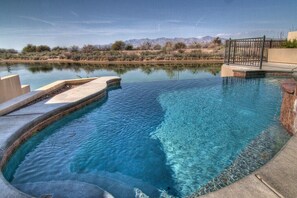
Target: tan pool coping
(19,125)
(267,66)
(268,69)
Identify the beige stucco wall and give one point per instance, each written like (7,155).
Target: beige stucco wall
(226,71)
(10,87)
(292,35)
(25,89)
(283,55)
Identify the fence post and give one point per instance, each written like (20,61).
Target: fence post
(262,52)
(234,51)
(229,51)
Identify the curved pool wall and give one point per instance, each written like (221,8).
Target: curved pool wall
(19,126)
(228,117)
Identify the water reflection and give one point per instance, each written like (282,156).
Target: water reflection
(121,69)
(40,74)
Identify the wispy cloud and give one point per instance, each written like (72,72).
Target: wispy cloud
(74,13)
(76,31)
(38,20)
(265,22)
(200,21)
(173,21)
(158,27)
(271,33)
(91,22)
(225,35)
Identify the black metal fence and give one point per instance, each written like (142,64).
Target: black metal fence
(250,51)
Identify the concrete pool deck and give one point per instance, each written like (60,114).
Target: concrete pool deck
(19,125)
(268,69)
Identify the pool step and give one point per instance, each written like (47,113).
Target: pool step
(102,184)
(63,189)
(119,185)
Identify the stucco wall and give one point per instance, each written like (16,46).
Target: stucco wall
(284,55)
(25,89)
(10,87)
(226,71)
(292,35)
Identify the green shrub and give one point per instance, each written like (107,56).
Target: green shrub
(75,57)
(118,45)
(129,47)
(290,44)
(180,45)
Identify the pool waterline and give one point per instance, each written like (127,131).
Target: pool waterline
(175,101)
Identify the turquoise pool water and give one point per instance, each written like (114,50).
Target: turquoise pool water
(162,138)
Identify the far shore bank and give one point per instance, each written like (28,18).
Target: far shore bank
(111,62)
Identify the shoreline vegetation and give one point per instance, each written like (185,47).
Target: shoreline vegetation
(119,53)
(12,61)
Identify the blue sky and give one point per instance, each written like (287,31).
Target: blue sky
(79,22)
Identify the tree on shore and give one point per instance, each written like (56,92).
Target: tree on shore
(104,47)
(118,45)
(58,48)
(43,48)
(129,47)
(157,47)
(29,48)
(195,45)
(74,48)
(146,46)
(89,48)
(169,46)
(10,51)
(180,45)
(33,48)
(217,41)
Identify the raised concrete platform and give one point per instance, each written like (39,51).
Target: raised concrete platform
(268,69)
(25,99)
(19,125)
(10,87)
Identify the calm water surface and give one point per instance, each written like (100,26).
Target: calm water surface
(38,75)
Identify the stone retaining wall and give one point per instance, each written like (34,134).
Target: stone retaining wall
(289,106)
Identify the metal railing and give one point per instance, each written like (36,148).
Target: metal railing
(249,51)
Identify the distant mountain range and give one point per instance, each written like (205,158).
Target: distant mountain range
(163,40)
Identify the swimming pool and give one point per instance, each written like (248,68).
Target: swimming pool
(174,137)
